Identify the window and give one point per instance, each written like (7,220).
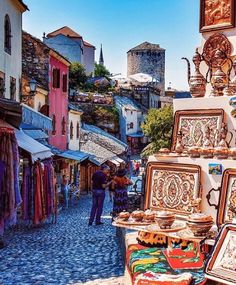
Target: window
(63,126)
(2,84)
(56,78)
(64,83)
(53,124)
(71,130)
(131,125)
(77,130)
(7,35)
(12,88)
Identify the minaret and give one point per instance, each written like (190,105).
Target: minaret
(101,61)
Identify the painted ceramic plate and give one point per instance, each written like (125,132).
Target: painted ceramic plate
(177,226)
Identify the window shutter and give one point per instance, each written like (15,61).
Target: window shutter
(58,78)
(64,81)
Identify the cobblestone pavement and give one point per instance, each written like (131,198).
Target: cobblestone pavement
(69,252)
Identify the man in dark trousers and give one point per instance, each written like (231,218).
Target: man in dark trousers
(99,185)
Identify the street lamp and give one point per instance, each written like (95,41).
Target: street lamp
(32,87)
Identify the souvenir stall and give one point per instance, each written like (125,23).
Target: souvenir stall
(39,202)
(187,231)
(87,169)
(68,163)
(10,196)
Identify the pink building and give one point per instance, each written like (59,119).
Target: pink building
(58,99)
(51,71)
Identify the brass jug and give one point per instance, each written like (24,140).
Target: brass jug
(197,82)
(219,80)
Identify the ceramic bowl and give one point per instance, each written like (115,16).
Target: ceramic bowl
(124,215)
(164,219)
(149,215)
(137,215)
(199,224)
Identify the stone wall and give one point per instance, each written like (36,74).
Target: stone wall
(35,60)
(150,62)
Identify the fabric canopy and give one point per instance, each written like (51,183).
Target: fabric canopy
(74,155)
(119,160)
(136,135)
(143,78)
(36,134)
(114,161)
(35,119)
(36,149)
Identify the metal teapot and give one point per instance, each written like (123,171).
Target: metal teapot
(197,82)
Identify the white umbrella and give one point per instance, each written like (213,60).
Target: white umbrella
(143,78)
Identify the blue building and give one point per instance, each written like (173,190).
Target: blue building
(72,46)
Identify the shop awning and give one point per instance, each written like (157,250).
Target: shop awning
(36,134)
(119,160)
(35,119)
(36,149)
(114,161)
(74,155)
(136,135)
(10,111)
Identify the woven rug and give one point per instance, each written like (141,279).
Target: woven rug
(143,262)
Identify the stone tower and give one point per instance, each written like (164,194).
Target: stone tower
(150,59)
(101,60)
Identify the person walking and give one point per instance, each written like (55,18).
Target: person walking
(65,190)
(120,201)
(100,183)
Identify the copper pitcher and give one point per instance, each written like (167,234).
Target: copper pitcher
(197,82)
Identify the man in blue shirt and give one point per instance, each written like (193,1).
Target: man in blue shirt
(100,183)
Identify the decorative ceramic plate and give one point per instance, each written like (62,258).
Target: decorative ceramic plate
(187,234)
(172,187)
(177,226)
(132,222)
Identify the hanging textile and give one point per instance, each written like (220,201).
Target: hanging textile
(39,192)
(10,196)
(27,206)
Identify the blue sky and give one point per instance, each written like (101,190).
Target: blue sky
(122,24)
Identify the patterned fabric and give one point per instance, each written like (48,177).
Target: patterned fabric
(10,196)
(141,260)
(120,200)
(39,192)
(150,278)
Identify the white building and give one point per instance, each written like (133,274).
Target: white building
(10,47)
(74,127)
(131,117)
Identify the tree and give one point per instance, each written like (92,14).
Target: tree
(100,70)
(158,127)
(77,75)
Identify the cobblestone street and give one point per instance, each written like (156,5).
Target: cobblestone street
(69,252)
